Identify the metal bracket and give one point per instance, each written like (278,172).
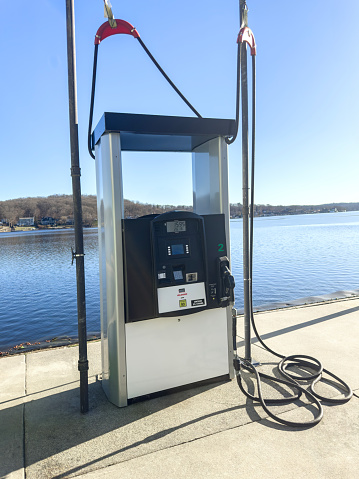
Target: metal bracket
(244,15)
(83,365)
(75,171)
(109,14)
(75,255)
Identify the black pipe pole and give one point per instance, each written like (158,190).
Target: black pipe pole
(76,193)
(245,187)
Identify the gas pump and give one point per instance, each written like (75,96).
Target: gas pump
(174,263)
(166,287)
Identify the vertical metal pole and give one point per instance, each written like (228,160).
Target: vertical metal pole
(76,192)
(245,186)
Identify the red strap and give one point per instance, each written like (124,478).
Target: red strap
(106,30)
(246,35)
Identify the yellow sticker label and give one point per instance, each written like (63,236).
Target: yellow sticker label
(182,303)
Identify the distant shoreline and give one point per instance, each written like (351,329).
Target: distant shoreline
(57,210)
(23,229)
(20,229)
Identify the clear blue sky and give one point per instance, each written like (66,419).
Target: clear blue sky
(307,94)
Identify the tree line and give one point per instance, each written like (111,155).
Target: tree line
(60,207)
(280,210)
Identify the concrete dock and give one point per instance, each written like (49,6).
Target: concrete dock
(211,431)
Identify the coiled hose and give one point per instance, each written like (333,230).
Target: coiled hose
(313,368)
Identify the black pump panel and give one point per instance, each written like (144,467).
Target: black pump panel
(179,261)
(171,264)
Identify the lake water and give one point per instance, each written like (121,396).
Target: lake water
(294,257)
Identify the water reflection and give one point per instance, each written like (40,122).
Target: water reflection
(38,285)
(294,257)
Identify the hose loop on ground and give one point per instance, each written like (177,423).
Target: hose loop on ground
(309,369)
(284,400)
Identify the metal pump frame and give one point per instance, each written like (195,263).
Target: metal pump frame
(141,358)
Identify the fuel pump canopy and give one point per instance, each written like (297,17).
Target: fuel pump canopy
(161,133)
(166,289)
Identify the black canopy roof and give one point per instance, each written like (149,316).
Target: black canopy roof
(161,133)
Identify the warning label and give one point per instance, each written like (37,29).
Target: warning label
(183,303)
(197,302)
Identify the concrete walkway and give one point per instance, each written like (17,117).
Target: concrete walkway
(205,432)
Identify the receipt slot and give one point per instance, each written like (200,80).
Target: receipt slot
(165,282)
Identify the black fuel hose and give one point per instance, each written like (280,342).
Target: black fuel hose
(160,69)
(93,87)
(311,366)
(232,139)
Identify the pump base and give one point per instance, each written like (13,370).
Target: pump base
(166,392)
(166,352)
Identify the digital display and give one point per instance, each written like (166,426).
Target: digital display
(176,226)
(177,249)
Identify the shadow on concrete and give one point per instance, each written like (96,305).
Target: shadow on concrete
(152,438)
(53,428)
(28,395)
(295,327)
(312,410)
(59,442)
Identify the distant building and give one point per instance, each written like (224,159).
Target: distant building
(27,221)
(48,221)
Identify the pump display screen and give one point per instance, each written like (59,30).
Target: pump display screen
(176,226)
(177,248)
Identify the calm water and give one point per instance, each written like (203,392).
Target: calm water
(294,257)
